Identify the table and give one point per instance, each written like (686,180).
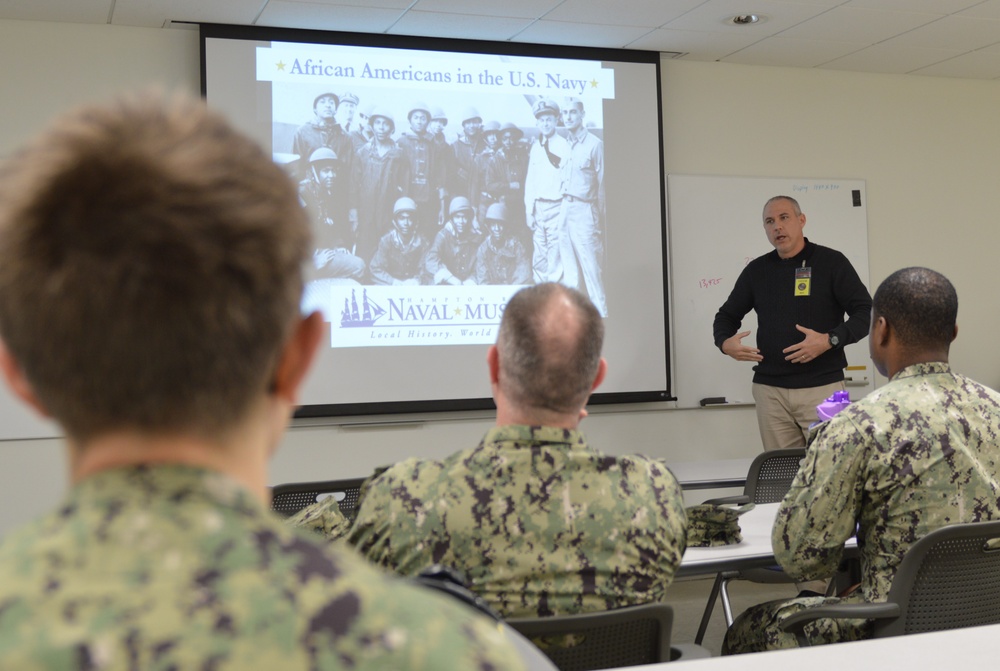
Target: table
(753,552)
(717,474)
(969,648)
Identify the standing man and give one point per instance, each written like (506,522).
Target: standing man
(540,522)
(481,197)
(345,112)
(543,193)
(801,292)
(583,208)
(427,175)
(381,175)
(464,150)
(150,286)
(322,131)
(362,133)
(506,172)
(916,454)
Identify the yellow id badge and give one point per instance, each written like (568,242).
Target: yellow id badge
(803,281)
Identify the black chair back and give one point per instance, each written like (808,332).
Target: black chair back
(948,579)
(771,474)
(290,498)
(622,637)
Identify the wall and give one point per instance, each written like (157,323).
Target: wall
(926,146)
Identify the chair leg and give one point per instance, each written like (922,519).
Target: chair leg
(727,608)
(709,607)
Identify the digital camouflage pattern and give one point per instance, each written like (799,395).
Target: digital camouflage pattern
(174,567)
(712,525)
(540,523)
(917,454)
(323,517)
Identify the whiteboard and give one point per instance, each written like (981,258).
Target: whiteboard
(715,229)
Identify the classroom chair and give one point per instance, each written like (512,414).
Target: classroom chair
(628,636)
(948,579)
(768,480)
(290,498)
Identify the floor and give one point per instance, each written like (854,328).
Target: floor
(688,597)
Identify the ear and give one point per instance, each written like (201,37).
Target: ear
(493,362)
(296,357)
(18,383)
(954,333)
(602,370)
(880,332)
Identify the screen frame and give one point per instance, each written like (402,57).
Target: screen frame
(280,34)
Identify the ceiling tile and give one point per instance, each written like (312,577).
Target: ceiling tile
(975,65)
(381,4)
(984,10)
(328,17)
(951,32)
(466,26)
(716,15)
(518,9)
(84,11)
(651,13)
(880,58)
(580,34)
(698,46)
(157,13)
(791,52)
(859,25)
(929,6)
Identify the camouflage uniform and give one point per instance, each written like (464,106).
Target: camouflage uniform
(174,567)
(540,523)
(323,517)
(917,454)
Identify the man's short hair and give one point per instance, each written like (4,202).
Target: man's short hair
(920,304)
(150,267)
(543,371)
(795,203)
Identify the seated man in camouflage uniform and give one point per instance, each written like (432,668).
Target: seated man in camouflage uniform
(912,456)
(540,522)
(150,278)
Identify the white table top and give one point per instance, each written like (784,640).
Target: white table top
(755,550)
(973,647)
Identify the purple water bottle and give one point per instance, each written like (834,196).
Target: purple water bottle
(833,405)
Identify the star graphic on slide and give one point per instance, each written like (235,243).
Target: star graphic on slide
(593,83)
(458,311)
(281,65)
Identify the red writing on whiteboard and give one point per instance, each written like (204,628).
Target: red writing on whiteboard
(709,282)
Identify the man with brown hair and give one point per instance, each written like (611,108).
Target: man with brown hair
(150,279)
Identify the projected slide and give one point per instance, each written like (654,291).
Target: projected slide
(441,177)
(439,185)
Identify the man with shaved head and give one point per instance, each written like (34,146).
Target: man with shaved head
(540,522)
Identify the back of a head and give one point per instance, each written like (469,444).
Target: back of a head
(550,343)
(150,267)
(921,305)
